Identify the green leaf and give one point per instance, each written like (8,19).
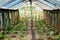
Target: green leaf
(1,35)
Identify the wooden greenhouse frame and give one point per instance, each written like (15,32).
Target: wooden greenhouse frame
(52,18)
(7,14)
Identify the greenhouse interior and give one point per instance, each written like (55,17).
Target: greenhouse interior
(29,19)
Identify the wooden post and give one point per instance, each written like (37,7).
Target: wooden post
(2,20)
(18,15)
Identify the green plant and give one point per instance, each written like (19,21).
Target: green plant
(5,36)
(1,35)
(44,29)
(23,28)
(58,37)
(21,34)
(13,31)
(17,26)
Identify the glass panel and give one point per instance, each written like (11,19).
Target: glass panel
(12,17)
(5,19)
(0,19)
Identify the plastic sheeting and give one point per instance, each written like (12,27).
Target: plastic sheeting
(15,4)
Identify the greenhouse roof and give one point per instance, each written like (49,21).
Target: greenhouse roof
(44,4)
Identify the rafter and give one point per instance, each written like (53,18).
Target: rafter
(48,4)
(18,4)
(8,2)
(14,3)
(54,2)
(43,6)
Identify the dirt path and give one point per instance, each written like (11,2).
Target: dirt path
(13,37)
(31,34)
(35,35)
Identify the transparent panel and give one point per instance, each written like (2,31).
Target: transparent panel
(5,19)
(0,19)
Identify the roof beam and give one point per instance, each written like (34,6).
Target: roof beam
(4,2)
(16,3)
(48,4)
(43,6)
(19,4)
(54,2)
(8,2)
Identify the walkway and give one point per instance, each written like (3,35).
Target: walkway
(32,33)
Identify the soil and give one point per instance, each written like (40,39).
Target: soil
(31,34)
